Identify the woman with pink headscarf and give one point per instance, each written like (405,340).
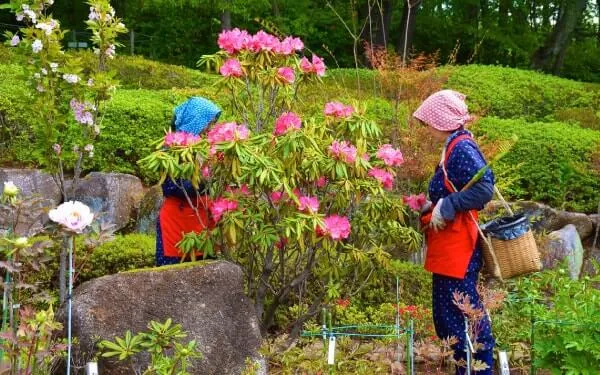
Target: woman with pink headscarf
(453,251)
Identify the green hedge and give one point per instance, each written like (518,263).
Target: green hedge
(514,93)
(135,72)
(551,162)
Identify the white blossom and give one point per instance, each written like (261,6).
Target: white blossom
(37,46)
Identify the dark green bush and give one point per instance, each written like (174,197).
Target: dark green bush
(124,253)
(513,93)
(551,162)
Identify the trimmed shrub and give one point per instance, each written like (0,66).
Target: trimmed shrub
(551,162)
(514,93)
(135,72)
(124,253)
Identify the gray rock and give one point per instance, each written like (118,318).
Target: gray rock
(206,298)
(40,193)
(547,218)
(564,244)
(148,212)
(114,196)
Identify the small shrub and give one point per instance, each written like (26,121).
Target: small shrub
(121,254)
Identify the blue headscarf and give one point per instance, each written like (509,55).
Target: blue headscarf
(195,115)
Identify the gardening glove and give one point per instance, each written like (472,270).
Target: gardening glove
(426,207)
(437,220)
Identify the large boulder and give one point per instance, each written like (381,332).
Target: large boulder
(547,218)
(206,298)
(40,193)
(114,197)
(148,212)
(564,244)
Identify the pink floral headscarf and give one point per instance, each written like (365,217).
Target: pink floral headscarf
(445,110)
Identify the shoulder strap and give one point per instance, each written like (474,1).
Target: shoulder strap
(446,155)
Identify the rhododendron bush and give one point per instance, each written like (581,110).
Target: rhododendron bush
(303,205)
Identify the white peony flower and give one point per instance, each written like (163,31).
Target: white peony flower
(10,189)
(73,215)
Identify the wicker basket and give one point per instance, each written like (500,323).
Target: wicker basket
(510,258)
(514,252)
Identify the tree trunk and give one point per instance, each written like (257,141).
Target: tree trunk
(598,12)
(503,10)
(533,14)
(226,16)
(484,8)
(550,56)
(407,27)
(382,13)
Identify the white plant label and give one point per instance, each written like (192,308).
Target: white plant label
(503,363)
(331,352)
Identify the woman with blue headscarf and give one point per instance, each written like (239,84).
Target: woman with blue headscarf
(176,215)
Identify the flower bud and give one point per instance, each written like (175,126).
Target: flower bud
(21,242)
(10,189)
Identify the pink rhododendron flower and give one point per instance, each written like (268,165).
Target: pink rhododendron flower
(242,190)
(206,173)
(227,132)
(384,177)
(286,122)
(390,155)
(321,182)
(221,206)
(73,215)
(415,202)
(277,196)
(289,45)
(310,204)
(287,74)
(318,65)
(262,41)
(305,65)
(296,43)
(339,110)
(231,68)
(336,227)
(180,139)
(343,151)
(234,40)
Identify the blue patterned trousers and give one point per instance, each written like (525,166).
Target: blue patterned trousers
(450,321)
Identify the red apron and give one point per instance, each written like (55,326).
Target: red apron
(449,250)
(178,218)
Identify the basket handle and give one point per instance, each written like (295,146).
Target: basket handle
(504,203)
